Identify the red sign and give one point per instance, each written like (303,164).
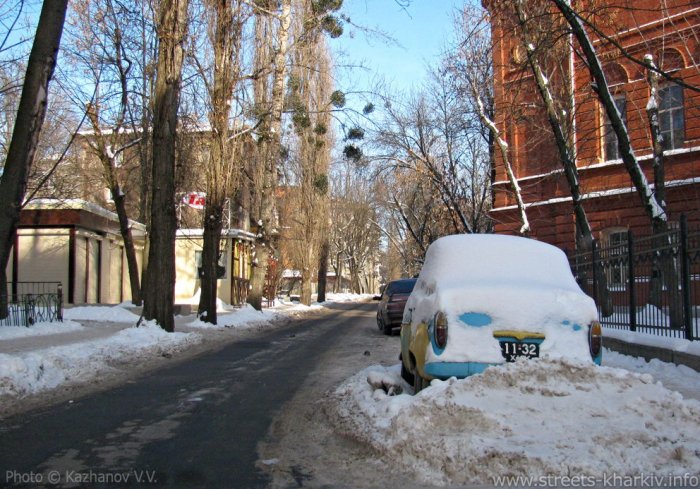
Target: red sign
(195,200)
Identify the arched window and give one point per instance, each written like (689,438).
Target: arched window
(670,59)
(615,74)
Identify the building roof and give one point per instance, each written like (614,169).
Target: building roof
(226,233)
(73,212)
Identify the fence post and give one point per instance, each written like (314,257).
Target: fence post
(594,263)
(685,279)
(631,285)
(59,293)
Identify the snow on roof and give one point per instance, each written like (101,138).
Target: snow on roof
(489,258)
(226,233)
(78,204)
(600,193)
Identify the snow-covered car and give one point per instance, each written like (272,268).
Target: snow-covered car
(483,300)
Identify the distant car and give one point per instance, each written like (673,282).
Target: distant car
(392,303)
(483,300)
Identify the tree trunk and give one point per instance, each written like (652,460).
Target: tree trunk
(129,247)
(222,172)
(305,296)
(25,136)
(258,278)
(323,271)
(664,265)
(159,291)
(651,207)
(495,137)
(213,225)
(567,152)
(270,150)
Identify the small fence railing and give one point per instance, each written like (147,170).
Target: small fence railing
(649,284)
(28,303)
(239,291)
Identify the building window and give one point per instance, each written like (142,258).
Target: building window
(611,151)
(672,116)
(614,257)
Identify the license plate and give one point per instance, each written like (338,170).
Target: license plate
(514,349)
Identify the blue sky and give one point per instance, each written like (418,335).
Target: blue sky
(422,30)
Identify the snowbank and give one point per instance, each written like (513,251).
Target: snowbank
(245,317)
(38,329)
(114,314)
(347,297)
(675,344)
(39,370)
(530,418)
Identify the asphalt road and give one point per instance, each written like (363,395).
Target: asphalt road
(195,424)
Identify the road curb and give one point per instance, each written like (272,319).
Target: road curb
(651,352)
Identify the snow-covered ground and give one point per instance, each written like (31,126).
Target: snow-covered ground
(94,341)
(534,419)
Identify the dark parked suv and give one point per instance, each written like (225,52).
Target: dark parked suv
(393,301)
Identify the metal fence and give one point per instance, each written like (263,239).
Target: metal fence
(27,303)
(649,284)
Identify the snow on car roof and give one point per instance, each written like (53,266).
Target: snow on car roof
(493,258)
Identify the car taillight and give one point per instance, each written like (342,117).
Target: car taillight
(595,339)
(440,329)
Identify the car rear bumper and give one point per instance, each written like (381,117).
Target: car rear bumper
(445,370)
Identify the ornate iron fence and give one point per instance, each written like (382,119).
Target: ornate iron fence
(27,303)
(649,284)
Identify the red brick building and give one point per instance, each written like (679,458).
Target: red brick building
(672,35)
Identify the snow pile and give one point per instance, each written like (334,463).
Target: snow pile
(347,297)
(504,281)
(676,377)
(530,418)
(675,344)
(38,329)
(39,370)
(245,317)
(114,314)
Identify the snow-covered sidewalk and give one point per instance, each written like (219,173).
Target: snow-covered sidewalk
(96,341)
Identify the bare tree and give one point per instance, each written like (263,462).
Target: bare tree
(25,136)
(652,202)
(271,49)
(354,234)
(309,100)
(159,283)
(225,148)
(651,207)
(104,50)
(470,66)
